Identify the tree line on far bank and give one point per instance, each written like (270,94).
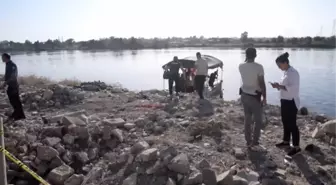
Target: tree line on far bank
(115,43)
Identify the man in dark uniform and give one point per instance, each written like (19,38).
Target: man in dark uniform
(12,88)
(174,76)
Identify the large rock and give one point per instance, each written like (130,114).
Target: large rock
(318,132)
(170,182)
(52,131)
(74,180)
(68,139)
(60,174)
(52,141)
(194,178)
(67,120)
(56,162)
(139,147)
(320,118)
(209,177)
(131,180)
(239,153)
(180,164)
(48,94)
(116,122)
(148,155)
(79,131)
(129,126)
(82,157)
(203,164)
(118,134)
(239,181)
(71,114)
(250,176)
(329,127)
(46,153)
(225,178)
(304,111)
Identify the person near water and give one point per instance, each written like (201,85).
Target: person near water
(212,78)
(174,77)
(201,74)
(12,84)
(290,103)
(252,89)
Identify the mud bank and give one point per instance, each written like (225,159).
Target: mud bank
(92,133)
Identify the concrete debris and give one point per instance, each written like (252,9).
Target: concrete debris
(60,174)
(100,134)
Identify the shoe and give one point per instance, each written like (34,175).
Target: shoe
(282,145)
(294,151)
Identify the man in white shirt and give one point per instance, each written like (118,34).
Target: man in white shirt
(253,87)
(201,74)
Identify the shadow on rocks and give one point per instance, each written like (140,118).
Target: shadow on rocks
(258,159)
(307,172)
(205,108)
(316,153)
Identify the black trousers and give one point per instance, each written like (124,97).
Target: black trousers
(171,80)
(288,116)
(199,83)
(14,99)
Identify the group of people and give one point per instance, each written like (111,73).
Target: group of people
(253,94)
(194,78)
(253,97)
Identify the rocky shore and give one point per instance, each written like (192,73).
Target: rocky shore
(94,133)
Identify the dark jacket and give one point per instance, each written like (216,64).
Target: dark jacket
(11,74)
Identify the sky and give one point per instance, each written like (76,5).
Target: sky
(33,20)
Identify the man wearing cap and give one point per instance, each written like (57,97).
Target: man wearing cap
(252,89)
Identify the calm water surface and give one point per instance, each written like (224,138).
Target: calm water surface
(140,70)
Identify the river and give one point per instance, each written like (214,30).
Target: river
(141,70)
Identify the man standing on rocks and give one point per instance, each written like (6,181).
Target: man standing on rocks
(201,74)
(253,87)
(12,84)
(174,68)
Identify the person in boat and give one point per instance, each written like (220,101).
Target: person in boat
(212,78)
(290,102)
(253,87)
(173,69)
(12,84)
(201,74)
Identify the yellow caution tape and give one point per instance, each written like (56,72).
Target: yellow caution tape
(22,165)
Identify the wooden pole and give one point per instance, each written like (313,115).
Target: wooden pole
(3,172)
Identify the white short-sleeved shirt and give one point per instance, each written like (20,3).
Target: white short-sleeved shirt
(291,80)
(201,67)
(250,71)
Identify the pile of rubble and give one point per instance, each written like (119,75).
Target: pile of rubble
(99,86)
(326,131)
(127,138)
(65,153)
(55,95)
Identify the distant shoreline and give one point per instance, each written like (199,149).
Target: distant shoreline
(226,46)
(115,44)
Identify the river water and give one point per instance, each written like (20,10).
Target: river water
(141,70)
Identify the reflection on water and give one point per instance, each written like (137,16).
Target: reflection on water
(142,69)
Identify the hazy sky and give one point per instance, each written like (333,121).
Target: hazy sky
(91,19)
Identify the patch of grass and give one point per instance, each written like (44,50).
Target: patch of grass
(33,80)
